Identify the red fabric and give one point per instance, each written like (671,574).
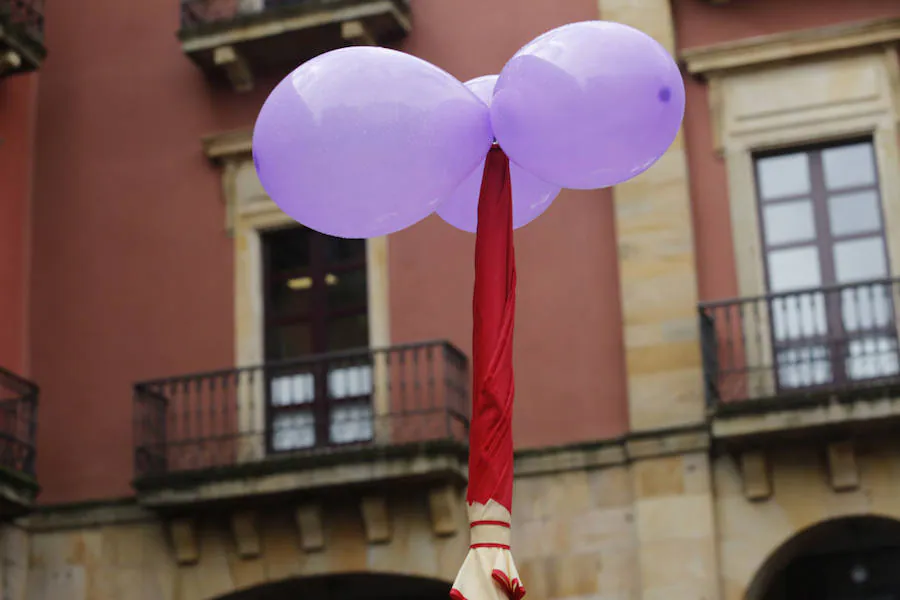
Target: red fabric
(513,589)
(493,310)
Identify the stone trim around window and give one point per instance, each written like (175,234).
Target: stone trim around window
(768,49)
(786,104)
(249,212)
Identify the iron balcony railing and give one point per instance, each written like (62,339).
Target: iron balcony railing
(805,345)
(23,16)
(200,14)
(18,422)
(325,404)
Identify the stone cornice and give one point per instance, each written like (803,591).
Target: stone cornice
(707,60)
(618,451)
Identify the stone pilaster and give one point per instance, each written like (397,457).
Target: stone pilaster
(657,267)
(673,501)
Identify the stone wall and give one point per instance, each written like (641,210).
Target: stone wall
(607,524)
(802,495)
(574,535)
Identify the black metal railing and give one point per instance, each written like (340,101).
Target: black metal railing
(202,13)
(18,422)
(25,16)
(812,343)
(325,404)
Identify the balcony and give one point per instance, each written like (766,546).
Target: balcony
(21,36)
(812,361)
(235,40)
(361,418)
(18,410)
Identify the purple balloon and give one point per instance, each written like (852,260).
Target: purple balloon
(588,105)
(531,196)
(365,141)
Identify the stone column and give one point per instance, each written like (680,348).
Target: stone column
(673,502)
(657,267)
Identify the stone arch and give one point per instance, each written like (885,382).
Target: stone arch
(852,556)
(348,586)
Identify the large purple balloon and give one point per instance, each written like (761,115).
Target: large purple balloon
(588,105)
(531,196)
(365,141)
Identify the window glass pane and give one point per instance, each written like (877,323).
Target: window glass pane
(299,388)
(351,422)
(346,289)
(849,166)
(859,260)
(787,222)
(854,213)
(798,316)
(872,357)
(780,176)
(288,249)
(288,341)
(294,430)
(804,367)
(341,250)
(347,333)
(291,297)
(867,307)
(350,382)
(794,269)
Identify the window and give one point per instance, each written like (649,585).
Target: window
(826,263)
(316,305)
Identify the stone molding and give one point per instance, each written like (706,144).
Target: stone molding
(619,451)
(228,145)
(767,49)
(249,212)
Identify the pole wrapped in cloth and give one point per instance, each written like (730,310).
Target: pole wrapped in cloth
(488,573)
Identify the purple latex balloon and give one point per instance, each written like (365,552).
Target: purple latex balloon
(588,105)
(364,141)
(531,196)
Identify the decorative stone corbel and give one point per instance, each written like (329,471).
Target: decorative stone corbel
(842,467)
(183,533)
(376,519)
(9,61)
(445,506)
(309,522)
(236,67)
(246,534)
(755,474)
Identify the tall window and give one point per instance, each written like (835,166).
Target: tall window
(826,262)
(315,306)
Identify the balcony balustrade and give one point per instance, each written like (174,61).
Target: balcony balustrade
(378,407)
(236,40)
(21,36)
(18,421)
(816,356)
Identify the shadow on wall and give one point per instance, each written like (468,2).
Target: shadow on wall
(851,557)
(350,586)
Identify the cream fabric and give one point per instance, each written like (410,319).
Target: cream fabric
(488,573)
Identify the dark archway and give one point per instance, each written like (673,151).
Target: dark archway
(350,586)
(851,558)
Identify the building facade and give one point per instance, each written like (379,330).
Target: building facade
(234,407)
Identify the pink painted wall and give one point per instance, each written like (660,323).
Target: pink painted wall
(17,119)
(133,269)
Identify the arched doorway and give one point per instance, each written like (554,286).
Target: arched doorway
(852,558)
(352,586)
